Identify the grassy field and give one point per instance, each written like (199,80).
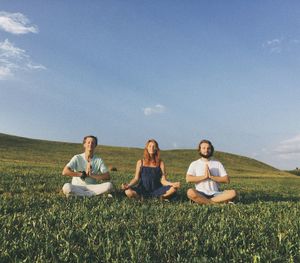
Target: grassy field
(38,224)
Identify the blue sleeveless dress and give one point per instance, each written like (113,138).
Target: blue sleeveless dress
(149,184)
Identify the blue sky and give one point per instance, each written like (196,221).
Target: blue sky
(176,71)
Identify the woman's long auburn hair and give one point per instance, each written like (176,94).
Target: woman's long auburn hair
(148,160)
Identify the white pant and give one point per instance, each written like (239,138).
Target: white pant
(87,190)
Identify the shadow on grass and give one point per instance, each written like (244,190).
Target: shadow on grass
(242,198)
(259,196)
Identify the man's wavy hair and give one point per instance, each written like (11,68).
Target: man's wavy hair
(212,149)
(147,158)
(91,136)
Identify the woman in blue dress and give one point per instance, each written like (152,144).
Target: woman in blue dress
(150,176)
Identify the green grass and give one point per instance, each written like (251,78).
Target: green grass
(38,224)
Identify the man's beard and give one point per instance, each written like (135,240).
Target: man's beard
(205,155)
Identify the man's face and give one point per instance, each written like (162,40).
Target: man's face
(205,150)
(89,144)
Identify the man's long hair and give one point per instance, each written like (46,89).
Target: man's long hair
(212,149)
(154,160)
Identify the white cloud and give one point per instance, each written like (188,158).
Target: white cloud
(5,72)
(274,45)
(273,42)
(8,50)
(284,155)
(16,23)
(157,109)
(289,147)
(13,59)
(277,45)
(32,66)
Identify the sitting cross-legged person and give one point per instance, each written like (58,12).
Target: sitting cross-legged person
(150,178)
(207,173)
(86,171)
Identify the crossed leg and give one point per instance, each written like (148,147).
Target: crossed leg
(224,197)
(198,198)
(169,193)
(132,194)
(87,190)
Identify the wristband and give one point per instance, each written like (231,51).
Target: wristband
(83,176)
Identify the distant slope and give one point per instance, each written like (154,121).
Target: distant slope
(295,172)
(19,149)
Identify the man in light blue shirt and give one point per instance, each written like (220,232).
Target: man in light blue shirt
(86,170)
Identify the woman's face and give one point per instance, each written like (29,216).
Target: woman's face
(151,148)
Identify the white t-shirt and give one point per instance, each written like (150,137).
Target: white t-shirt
(197,168)
(78,164)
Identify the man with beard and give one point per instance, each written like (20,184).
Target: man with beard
(207,174)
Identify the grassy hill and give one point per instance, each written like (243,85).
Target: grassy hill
(39,224)
(295,172)
(37,152)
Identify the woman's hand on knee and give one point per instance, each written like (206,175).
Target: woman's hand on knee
(176,185)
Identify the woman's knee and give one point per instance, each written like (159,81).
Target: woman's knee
(130,193)
(171,191)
